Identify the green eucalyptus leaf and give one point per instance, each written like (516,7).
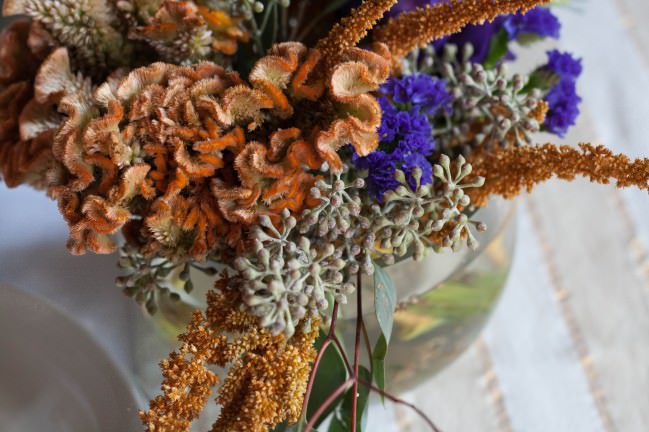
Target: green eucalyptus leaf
(385,300)
(337,425)
(497,49)
(330,375)
(362,404)
(378,362)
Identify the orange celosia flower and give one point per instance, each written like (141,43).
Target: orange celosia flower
(195,152)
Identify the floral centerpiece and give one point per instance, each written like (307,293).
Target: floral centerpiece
(302,146)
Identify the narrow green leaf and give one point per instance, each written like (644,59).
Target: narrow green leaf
(330,375)
(378,361)
(497,49)
(385,300)
(337,425)
(362,404)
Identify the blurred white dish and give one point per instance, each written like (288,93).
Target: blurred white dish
(53,376)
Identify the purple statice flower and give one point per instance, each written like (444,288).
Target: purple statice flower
(420,90)
(564,65)
(405,132)
(395,123)
(562,98)
(564,107)
(417,142)
(479,36)
(538,21)
(380,168)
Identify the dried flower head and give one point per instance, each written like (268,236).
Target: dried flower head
(183,32)
(91,29)
(196,153)
(27,122)
(350,30)
(264,386)
(417,28)
(509,171)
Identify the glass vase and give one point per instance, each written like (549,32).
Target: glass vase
(443,300)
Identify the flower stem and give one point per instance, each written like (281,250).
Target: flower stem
(357,346)
(329,401)
(321,351)
(402,402)
(354,378)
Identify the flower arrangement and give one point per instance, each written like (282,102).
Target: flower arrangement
(299,154)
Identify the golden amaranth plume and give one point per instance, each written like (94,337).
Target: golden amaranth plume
(421,26)
(508,171)
(264,386)
(350,30)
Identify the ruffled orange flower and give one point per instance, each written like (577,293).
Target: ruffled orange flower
(197,154)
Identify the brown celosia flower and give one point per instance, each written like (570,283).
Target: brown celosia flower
(264,386)
(26,123)
(417,28)
(183,32)
(509,171)
(195,152)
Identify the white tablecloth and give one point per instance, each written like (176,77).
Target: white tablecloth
(564,351)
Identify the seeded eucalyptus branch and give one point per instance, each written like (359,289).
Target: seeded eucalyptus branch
(491,108)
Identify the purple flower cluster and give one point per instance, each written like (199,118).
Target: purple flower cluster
(562,98)
(422,91)
(539,22)
(405,132)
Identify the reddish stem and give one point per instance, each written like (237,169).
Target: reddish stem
(329,401)
(354,378)
(339,344)
(309,387)
(401,402)
(357,347)
(321,351)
